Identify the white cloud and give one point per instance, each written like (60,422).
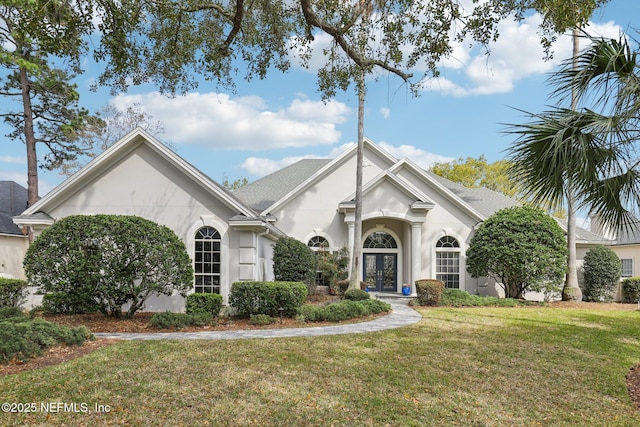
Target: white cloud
(385,112)
(241,123)
(516,55)
(13,159)
(422,158)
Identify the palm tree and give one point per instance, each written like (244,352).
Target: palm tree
(586,155)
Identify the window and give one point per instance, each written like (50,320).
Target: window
(448,262)
(320,246)
(627,267)
(318,242)
(380,240)
(207,260)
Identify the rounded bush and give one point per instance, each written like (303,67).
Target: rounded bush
(293,261)
(631,289)
(356,295)
(261,319)
(602,271)
(114,260)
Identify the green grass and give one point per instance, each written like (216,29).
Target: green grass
(523,366)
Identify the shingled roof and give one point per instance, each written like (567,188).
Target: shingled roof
(268,190)
(264,192)
(13,201)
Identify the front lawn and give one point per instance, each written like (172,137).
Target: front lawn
(534,366)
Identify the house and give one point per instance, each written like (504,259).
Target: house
(13,243)
(415,224)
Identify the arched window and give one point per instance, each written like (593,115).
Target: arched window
(320,246)
(318,242)
(448,261)
(380,240)
(447,242)
(207,260)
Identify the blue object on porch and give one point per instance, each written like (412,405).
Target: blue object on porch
(366,289)
(406,290)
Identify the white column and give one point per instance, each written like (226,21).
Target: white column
(416,254)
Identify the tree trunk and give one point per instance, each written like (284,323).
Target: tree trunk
(30,139)
(571,290)
(356,252)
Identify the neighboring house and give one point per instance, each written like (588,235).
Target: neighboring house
(13,243)
(626,244)
(415,224)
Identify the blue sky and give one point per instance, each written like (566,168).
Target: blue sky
(268,124)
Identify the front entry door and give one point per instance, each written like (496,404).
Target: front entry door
(380,272)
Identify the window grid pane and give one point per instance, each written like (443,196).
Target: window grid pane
(448,268)
(627,267)
(207,260)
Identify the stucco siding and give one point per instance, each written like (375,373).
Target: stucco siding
(12,251)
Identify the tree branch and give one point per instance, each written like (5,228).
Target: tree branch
(314,20)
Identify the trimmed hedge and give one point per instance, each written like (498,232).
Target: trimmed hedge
(631,290)
(13,292)
(22,338)
(249,298)
(429,291)
(459,298)
(342,310)
(204,303)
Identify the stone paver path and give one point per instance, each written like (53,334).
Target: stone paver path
(401,315)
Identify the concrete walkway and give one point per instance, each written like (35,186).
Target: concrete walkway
(401,315)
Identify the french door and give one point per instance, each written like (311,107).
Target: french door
(380,271)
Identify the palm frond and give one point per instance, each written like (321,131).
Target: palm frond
(605,76)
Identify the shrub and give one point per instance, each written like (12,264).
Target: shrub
(429,291)
(293,261)
(114,260)
(376,306)
(343,285)
(13,292)
(519,247)
(249,298)
(261,319)
(204,303)
(342,310)
(22,338)
(68,303)
(458,298)
(169,320)
(631,289)
(356,295)
(7,312)
(602,271)
(312,313)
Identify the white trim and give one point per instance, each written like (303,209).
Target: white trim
(461,250)
(399,251)
(223,229)
(329,167)
(320,234)
(119,150)
(421,173)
